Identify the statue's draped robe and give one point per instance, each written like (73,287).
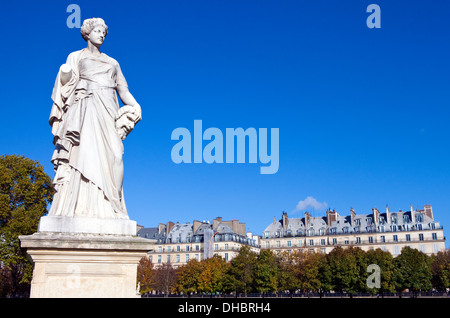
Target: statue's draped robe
(88,151)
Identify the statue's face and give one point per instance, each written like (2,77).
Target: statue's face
(97,35)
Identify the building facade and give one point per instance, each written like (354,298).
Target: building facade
(389,231)
(178,243)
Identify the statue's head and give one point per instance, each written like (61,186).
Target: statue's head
(94,30)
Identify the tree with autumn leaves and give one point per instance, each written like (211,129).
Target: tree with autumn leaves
(343,270)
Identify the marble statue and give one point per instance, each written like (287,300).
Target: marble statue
(88,127)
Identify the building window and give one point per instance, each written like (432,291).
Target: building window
(334,241)
(216,247)
(420,237)
(197,247)
(394,228)
(311,242)
(226,256)
(396,250)
(197,257)
(178,248)
(267,234)
(278,244)
(370,239)
(435,248)
(395,238)
(187,258)
(187,248)
(346,241)
(333,230)
(433,226)
(299,232)
(300,242)
(277,234)
(226,246)
(408,237)
(405,219)
(168,258)
(422,248)
(322,241)
(358,240)
(178,258)
(169,249)
(159,249)
(434,235)
(382,239)
(267,244)
(289,243)
(394,219)
(321,231)
(159,259)
(419,227)
(345,229)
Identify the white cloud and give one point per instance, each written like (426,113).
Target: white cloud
(310,202)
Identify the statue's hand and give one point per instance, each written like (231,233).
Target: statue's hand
(127,117)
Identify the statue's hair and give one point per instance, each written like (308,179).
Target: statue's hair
(90,24)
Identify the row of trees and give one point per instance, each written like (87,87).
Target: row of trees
(343,270)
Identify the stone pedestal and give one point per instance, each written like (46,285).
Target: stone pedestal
(69,261)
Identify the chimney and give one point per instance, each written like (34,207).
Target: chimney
(388,215)
(307,219)
(428,211)
(376,216)
(413,217)
(332,216)
(196,225)
(352,217)
(169,227)
(216,222)
(285,221)
(161,228)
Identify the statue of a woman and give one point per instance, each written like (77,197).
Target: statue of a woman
(88,128)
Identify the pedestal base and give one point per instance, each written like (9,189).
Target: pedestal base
(73,265)
(65,224)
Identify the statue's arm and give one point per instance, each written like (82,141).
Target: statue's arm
(128,99)
(65,73)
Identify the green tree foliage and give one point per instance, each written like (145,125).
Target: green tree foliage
(440,267)
(386,263)
(288,273)
(25,192)
(265,272)
(412,271)
(188,277)
(241,271)
(348,269)
(342,270)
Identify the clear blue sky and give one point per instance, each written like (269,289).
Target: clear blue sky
(362,113)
